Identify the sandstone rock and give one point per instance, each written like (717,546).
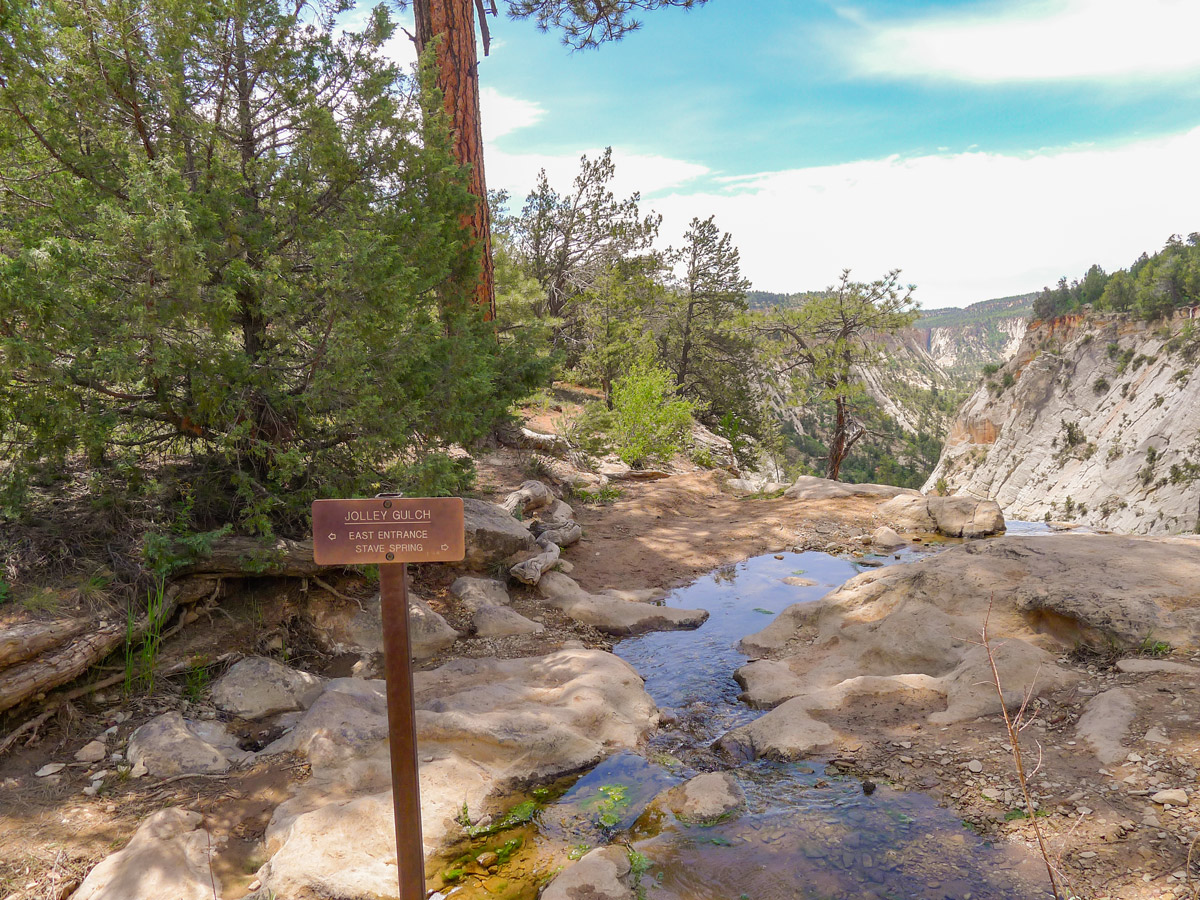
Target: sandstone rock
(531,570)
(492,535)
(1176,797)
(482,725)
(257,686)
(172,745)
(704,799)
(1105,722)
(476,593)
(49,769)
(91,752)
(615,612)
(886,539)
(1010,446)
(428,632)
(951,516)
(600,875)
(343,849)
(169,856)
(809,487)
(349,629)
(908,631)
(501,621)
(1142,666)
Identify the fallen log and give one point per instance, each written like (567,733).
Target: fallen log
(30,639)
(242,557)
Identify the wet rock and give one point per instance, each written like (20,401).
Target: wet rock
(615,612)
(91,752)
(170,856)
(501,621)
(1105,722)
(809,487)
(600,875)
(172,745)
(257,686)
(492,535)
(483,724)
(704,799)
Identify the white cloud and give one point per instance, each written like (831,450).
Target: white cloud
(502,114)
(1035,40)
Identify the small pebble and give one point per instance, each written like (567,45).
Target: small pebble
(975,766)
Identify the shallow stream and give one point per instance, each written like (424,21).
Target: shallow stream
(808,831)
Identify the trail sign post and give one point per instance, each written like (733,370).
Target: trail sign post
(392,531)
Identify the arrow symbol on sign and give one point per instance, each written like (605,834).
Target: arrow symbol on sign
(445,546)
(332,536)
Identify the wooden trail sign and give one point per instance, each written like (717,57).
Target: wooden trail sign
(392,532)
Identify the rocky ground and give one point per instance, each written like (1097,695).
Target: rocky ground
(234,788)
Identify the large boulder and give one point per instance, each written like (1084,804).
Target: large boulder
(492,535)
(910,633)
(952,516)
(809,487)
(501,621)
(482,726)
(257,686)
(359,629)
(170,856)
(476,593)
(616,612)
(172,745)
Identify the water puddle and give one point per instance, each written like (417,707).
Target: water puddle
(807,831)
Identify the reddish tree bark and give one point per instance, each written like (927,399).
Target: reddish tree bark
(458,79)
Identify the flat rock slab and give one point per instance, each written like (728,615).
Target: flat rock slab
(614,612)
(483,725)
(501,621)
(169,857)
(1139,665)
(257,686)
(172,745)
(809,487)
(909,630)
(1105,722)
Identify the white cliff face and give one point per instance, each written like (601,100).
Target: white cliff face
(966,347)
(1095,420)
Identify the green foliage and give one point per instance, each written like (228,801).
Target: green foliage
(649,421)
(196,679)
(1151,288)
(5,591)
(825,341)
(165,554)
(1100,385)
(234,256)
(991,369)
(611,804)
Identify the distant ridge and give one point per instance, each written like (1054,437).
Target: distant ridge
(1017,306)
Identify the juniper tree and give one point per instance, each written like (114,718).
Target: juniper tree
(223,224)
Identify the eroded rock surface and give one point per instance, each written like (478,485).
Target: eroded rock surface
(809,487)
(350,629)
(703,799)
(615,612)
(952,516)
(483,725)
(911,633)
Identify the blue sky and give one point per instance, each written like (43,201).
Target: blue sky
(985,148)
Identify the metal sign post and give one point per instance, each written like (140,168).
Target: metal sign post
(392,532)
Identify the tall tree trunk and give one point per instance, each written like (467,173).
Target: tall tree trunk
(458,79)
(837,443)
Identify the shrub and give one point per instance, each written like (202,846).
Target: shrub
(1100,385)
(649,421)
